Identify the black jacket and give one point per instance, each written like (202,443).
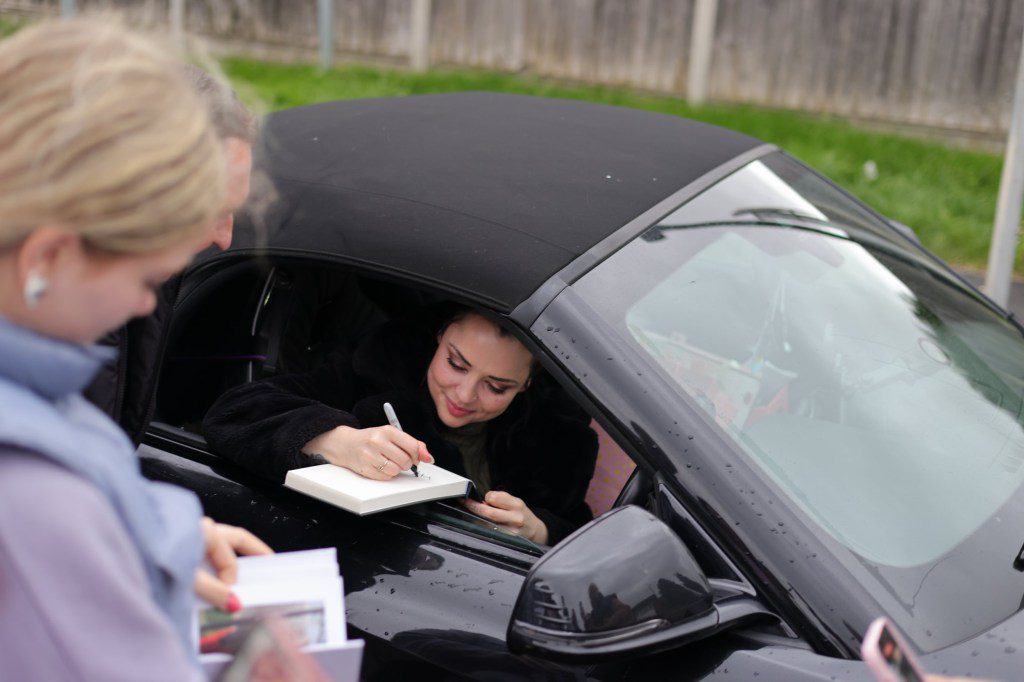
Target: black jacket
(540,449)
(125,388)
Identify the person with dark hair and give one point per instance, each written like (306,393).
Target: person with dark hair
(470,397)
(237,128)
(125,388)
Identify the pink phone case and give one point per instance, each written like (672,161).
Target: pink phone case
(888,656)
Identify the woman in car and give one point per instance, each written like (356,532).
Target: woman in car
(112,180)
(470,397)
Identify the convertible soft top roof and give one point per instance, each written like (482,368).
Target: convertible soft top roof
(488,194)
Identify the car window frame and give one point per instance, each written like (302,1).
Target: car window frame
(431,515)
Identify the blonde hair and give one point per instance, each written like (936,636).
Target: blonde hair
(101,133)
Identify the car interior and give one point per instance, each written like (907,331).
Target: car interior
(254,318)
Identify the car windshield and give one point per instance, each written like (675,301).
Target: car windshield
(880,395)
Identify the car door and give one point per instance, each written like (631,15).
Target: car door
(430,583)
(427,585)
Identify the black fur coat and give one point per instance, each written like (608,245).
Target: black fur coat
(540,449)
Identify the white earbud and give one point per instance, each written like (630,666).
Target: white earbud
(35,286)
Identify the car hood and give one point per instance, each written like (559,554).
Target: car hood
(997,653)
(993,655)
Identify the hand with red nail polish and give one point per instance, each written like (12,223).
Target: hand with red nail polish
(223,543)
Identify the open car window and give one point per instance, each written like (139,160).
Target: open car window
(252,320)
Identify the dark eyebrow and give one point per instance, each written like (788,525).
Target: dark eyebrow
(467,363)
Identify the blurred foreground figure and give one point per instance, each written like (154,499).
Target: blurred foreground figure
(111,179)
(125,388)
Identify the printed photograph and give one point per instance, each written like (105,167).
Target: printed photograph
(223,632)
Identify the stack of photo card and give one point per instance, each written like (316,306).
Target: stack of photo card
(300,592)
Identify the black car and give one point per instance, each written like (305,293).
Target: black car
(807,420)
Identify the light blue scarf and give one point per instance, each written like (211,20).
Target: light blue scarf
(42,411)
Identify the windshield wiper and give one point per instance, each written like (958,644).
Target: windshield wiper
(866,238)
(656,232)
(769,211)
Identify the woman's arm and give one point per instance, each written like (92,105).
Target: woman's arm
(263,426)
(299,420)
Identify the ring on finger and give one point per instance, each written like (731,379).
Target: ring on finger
(382,465)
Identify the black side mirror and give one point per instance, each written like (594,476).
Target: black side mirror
(622,584)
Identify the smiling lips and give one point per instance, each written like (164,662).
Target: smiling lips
(454,410)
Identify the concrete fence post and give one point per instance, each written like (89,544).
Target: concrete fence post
(702,40)
(1008,206)
(325,24)
(177,12)
(419,47)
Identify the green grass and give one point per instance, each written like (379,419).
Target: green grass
(9,25)
(947,195)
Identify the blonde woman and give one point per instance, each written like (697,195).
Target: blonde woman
(111,178)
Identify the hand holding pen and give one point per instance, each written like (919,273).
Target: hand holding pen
(389,412)
(380,452)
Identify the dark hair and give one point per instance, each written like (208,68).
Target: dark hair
(543,390)
(230,118)
(457,313)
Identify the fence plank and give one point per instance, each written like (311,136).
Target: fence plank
(419,48)
(919,62)
(701,43)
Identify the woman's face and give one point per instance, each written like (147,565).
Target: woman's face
(476,372)
(89,294)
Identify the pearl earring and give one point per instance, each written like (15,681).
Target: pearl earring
(35,286)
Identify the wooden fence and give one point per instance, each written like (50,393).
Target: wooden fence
(937,63)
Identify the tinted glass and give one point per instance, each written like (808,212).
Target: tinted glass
(880,397)
(450,514)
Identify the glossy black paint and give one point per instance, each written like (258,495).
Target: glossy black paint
(582,601)
(436,602)
(784,561)
(999,652)
(428,599)
(404,576)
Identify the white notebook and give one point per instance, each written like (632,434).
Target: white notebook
(350,491)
